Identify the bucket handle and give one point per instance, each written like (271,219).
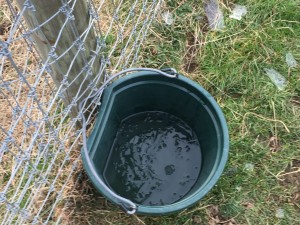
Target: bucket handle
(125,204)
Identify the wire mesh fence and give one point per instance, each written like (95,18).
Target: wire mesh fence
(54,54)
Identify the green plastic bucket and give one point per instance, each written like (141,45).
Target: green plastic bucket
(181,98)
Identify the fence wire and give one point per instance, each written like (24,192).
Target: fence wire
(42,80)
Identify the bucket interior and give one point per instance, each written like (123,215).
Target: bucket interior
(155,159)
(180,105)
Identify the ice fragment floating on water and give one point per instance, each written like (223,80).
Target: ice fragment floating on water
(276,78)
(214,15)
(168,18)
(238,12)
(290,60)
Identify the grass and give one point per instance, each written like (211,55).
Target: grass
(263,121)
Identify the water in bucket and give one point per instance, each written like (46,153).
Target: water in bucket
(155,159)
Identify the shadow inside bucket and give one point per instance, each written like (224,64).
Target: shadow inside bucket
(155,159)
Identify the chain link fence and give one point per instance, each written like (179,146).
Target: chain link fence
(53,54)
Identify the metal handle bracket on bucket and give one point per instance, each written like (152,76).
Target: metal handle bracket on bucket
(125,204)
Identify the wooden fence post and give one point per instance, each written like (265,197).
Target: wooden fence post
(46,34)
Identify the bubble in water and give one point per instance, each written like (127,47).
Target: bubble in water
(182,183)
(169,169)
